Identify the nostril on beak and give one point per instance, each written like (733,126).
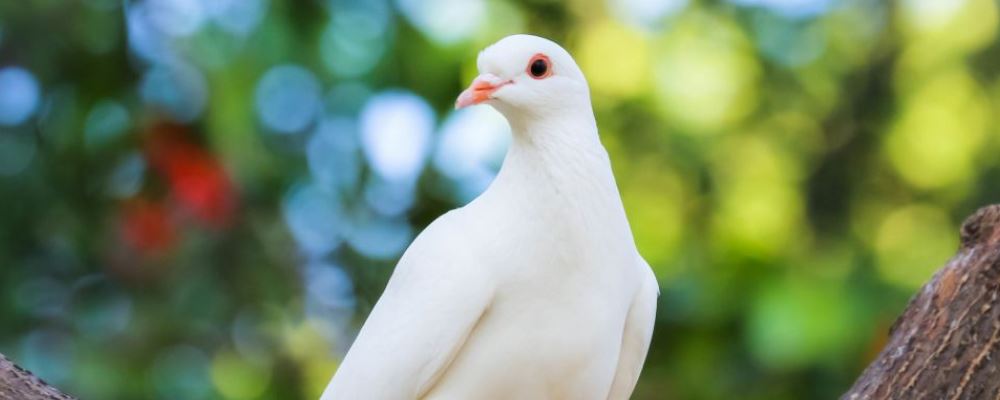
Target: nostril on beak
(481,90)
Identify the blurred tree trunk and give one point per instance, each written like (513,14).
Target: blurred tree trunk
(18,384)
(945,345)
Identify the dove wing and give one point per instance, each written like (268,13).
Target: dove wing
(432,303)
(636,336)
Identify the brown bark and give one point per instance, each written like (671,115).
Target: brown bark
(18,384)
(946,345)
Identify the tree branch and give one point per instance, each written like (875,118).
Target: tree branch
(18,384)
(946,345)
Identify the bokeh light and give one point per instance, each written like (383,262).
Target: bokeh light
(396,129)
(106,121)
(470,148)
(238,378)
(356,38)
(796,322)
(760,206)
(334,156)
(329,297)
(126,178)
(941,128)
(181,372)
(389,198)
(912,242)
(144,38)
(239,17)
(789,43)
(177,89)
(48,353)
(655,198)
(706,76)
(628,72)
(287,98)
(380,238)
(314,218)
(19,95)
(646,13)
(791,8)
(445,21)
(176,17)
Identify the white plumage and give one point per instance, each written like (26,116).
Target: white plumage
(535,289)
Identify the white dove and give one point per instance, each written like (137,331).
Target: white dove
(535,289)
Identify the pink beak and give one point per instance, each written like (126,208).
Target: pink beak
(481,90)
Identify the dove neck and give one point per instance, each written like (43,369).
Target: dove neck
(555,144)
(559,161)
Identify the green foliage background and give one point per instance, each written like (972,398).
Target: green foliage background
(793,171)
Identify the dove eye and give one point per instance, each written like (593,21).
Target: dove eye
(540,67)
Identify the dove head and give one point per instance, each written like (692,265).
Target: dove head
(526,77)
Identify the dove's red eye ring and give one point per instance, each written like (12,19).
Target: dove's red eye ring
(539,67)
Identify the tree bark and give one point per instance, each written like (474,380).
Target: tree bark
(18,384)
(945,345)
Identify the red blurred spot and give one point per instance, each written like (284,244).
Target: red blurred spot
(196,179)
(146,226)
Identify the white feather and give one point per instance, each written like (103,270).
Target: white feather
(535,290)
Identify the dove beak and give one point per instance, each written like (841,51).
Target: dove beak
(481,90)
